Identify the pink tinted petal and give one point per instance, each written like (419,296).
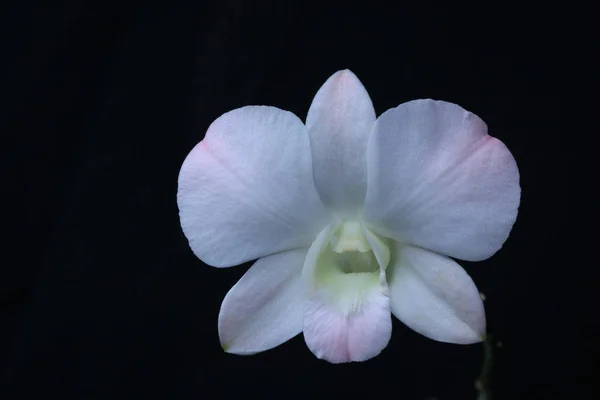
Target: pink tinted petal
(265,308)
(337,334)
(346,316)
(434,296)
(339,123)
(247,191)
(439,181)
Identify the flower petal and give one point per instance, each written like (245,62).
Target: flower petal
(265,308)
(434,296)
(339,122)
(439,181)
(247,191)
(347,315)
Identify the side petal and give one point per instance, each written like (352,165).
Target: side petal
(265,308)
(347,315)
(439,181)
(247,191)
(339,122)
(435,297)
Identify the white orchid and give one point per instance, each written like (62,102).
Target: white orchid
(352,218)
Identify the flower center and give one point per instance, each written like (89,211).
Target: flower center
(349,266)
(349,253)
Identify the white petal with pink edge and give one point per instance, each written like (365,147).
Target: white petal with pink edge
(437,180)
(247,189)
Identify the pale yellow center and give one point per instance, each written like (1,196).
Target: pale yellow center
(350,265)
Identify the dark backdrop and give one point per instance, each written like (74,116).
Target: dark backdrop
(102,297)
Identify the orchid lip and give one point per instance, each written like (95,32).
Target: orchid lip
(347,308)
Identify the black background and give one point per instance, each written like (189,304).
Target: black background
(101,296)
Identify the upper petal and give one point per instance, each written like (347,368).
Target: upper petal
(434,296)
(439,181)
(247,190)
(346,315)
(339,122)
(265,307)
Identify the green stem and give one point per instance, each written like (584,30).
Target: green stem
(484,382)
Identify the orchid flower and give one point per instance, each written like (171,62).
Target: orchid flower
(351,219)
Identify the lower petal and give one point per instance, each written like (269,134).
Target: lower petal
(346,314)
(355,330)
(435,296)
(265,308)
